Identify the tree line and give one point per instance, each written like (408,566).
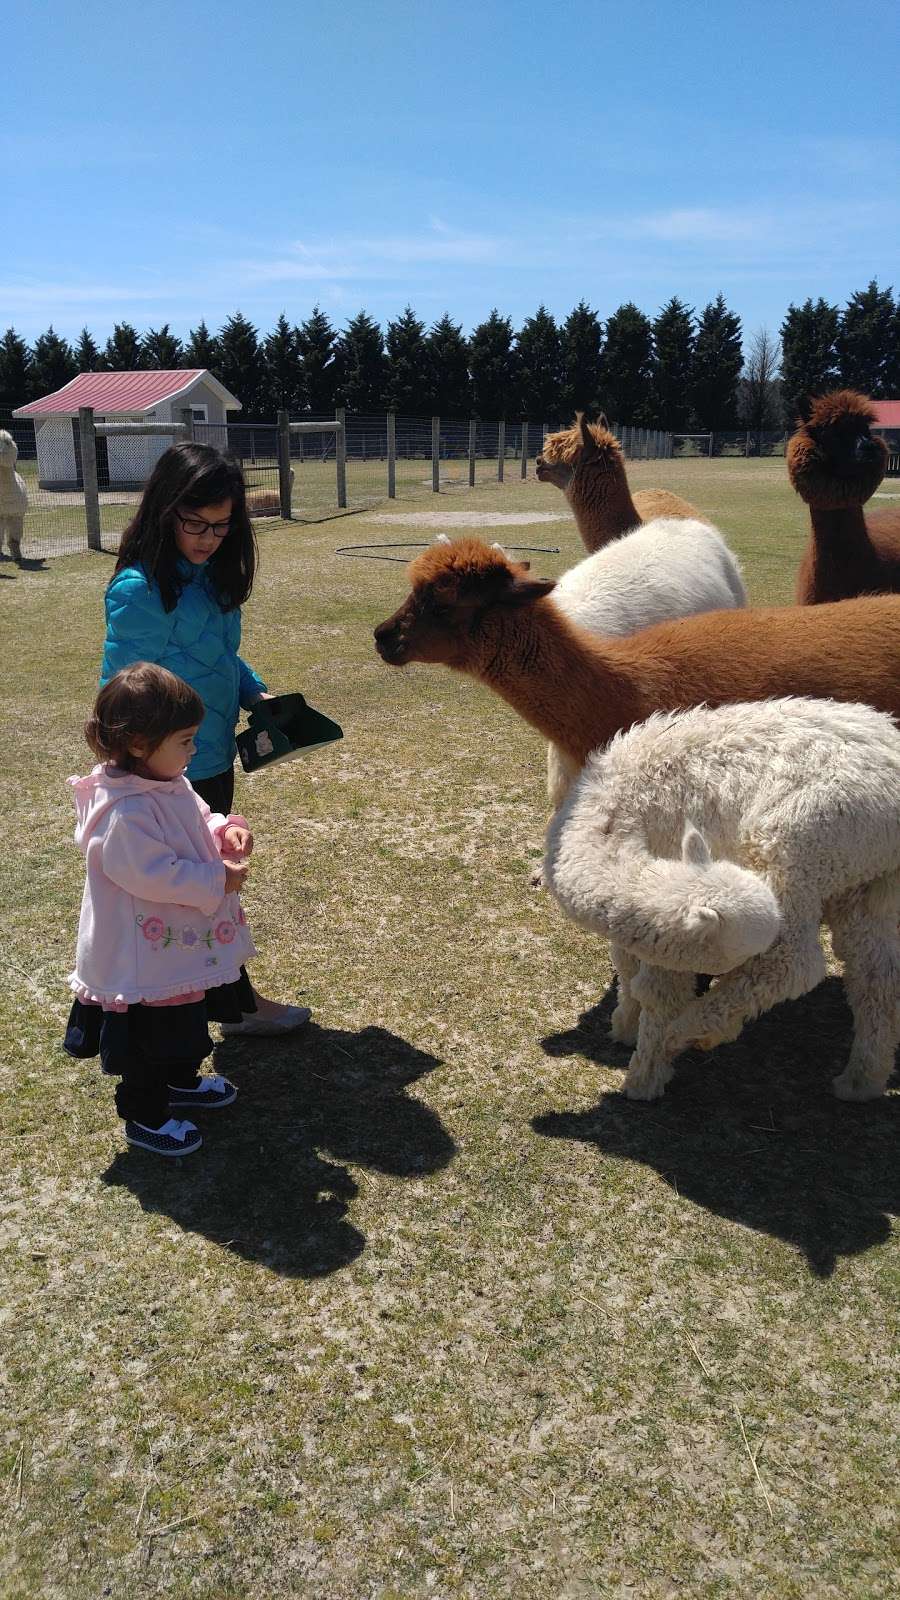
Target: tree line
(678,370)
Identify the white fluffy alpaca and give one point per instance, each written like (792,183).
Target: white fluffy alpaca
(717,841)
(671,567)
(13,496)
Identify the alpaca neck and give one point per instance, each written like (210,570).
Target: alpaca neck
(605,509)
(566,683)
(834,527)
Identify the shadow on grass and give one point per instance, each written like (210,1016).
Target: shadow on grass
(752,1131)
(24,564)
(259,1186)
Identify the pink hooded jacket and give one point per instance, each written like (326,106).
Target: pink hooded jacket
(155,920)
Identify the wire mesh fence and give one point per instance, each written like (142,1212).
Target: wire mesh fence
(324,466)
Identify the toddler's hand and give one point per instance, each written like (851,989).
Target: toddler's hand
(235,876)
(239,841)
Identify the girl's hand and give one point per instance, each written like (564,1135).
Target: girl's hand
(238,840)
(235,876)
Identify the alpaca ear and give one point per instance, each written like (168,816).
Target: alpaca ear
(523,591)
(588,442)
(442,538)
(701,919)
(695,851)
(602,421)
(805,403)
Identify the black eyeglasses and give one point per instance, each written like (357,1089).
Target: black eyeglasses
(197,526)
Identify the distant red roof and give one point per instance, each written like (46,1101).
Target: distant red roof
(118,391)
(887,413)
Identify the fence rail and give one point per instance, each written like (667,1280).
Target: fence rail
(84,478)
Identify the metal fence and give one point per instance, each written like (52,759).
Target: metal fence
(84,478)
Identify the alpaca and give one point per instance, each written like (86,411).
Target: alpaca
(836,463)
(586,463)
(717,841)
(472,609)
(671,567)
(13,497)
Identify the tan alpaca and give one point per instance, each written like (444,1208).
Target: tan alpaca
(13,497)
(836,463)
(586,463)
(473,609)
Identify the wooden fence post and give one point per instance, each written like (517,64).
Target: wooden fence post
(340,456)
(392,454)
(436,454)
(187,417)
(472,435)
(524,467)
(89,476)
(284,464)
(501,449)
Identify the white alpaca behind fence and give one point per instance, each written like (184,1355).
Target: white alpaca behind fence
(717,841)
(13,497)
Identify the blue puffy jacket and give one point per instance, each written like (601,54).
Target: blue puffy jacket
(197,640)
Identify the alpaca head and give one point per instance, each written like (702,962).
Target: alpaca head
(834,460)
(9,450)
(690,915)
(577,457)
(456,589)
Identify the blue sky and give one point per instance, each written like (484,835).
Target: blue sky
(167,161)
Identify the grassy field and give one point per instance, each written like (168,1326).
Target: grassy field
(434,1311)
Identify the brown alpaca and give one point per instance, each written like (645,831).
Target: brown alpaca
(836,463)
(586,463)
(472,609)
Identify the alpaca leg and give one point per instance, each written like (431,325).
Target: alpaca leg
(662,996)
(793,966)
(16,527)
(864,933)
(624,1021)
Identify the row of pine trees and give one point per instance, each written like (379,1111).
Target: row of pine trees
(676,371)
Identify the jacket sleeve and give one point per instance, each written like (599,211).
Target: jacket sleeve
(251,685)
(137,626)
(137,858)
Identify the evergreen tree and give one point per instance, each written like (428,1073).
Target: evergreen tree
(539,362)
(123,349)
(717,367)
(316,343)
(581,341)
(52,363)
(673,355)
(15,372)
(865,341)
(408,385)
(241,367)
(161,350)
(87,353)
(283,383)
(202,350)
(808,353)
(447,362)
(492,363)
(626,368)
(363,366)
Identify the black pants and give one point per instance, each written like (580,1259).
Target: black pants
(218,791)
(150,1048)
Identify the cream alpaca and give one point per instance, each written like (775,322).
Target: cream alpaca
(718,841)
(586,463)
(13,497)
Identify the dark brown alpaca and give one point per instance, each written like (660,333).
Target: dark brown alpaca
(836,463)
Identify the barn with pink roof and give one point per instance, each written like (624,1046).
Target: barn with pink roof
(122,462)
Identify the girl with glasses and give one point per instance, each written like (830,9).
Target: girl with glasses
(186,565)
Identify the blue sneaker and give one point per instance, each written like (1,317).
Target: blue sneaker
(171,1139)
(208,1092)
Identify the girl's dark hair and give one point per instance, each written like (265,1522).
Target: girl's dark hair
(192,475)
(141,702)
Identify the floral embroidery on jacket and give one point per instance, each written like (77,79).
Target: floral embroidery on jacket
(162,937)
